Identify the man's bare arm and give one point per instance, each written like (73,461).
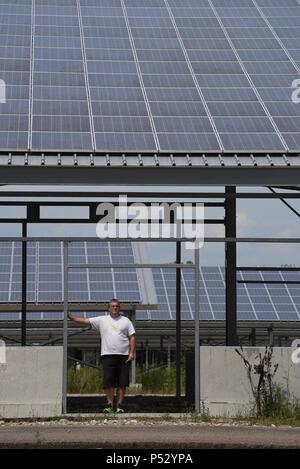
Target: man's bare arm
(132,347)
(81,321)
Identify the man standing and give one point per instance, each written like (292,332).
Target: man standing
(118,344)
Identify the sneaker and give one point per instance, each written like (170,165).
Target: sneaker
(119,409)
(108,410)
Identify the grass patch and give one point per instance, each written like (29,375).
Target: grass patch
(160,380)
(283,409)
(84,381)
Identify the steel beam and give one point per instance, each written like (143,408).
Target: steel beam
(162,196)
(24,285)
(65,331)
(230,270)
(197,332)
(213,239)
(178,320)
(152,176)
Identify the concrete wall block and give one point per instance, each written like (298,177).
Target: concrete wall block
(224,385)
(31,382)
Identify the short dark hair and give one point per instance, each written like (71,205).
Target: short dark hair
(114,300)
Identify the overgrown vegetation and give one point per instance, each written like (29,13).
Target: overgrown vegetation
(154,381)
(160,380)
(84,380)
(270,399)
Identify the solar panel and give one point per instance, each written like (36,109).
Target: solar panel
(44,283)
(254,301)
(123,75)
(45,272)
(15,50)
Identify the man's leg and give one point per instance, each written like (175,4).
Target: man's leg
(120,395)
(109,392)
(109,370)
(123,381)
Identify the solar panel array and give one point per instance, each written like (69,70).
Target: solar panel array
(45,273)
(269,302)
(150,75)
(264,302)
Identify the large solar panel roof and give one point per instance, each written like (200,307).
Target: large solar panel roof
(150,75)
(265,302)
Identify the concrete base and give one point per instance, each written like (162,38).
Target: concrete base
(31,382)
(224,385)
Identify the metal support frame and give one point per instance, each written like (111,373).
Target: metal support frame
(164,196)
(284,282)
(230,196)
(147,355)
(209,239)
(65,330)
(161,349)
(253,337)
(178,321)
(169,353)
(24,286)
(133,363)
(265,169)
(197,332)
(230,270)
(268,269)
(285,203)
(66,269)
(271,335)
(34,215)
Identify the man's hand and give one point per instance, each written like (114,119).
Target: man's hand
(70,316)
(130,357)
(81,321)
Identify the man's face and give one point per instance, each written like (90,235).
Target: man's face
(114,309)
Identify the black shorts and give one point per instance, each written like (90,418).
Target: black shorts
(115,371)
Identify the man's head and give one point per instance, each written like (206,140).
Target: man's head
(114,308)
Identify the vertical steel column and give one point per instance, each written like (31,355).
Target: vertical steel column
(147,355)
(133,363)
(178,320)
(253,337)
(271,335)
(24,285)
(65,330)
(197,332)
(161,350)
(230,267)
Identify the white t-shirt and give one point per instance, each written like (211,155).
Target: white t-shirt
(114,333)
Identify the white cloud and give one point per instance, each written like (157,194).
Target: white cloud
(244,224)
